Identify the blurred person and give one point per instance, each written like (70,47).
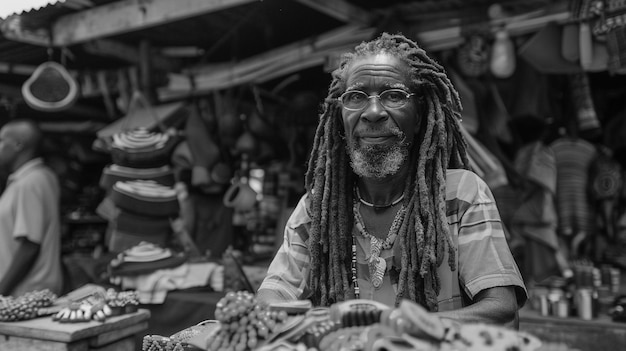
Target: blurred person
(30,229)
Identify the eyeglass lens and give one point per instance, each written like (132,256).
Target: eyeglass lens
(393,98)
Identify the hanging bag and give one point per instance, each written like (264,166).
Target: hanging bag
(51,88)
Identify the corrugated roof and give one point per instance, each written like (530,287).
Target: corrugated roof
(12,7)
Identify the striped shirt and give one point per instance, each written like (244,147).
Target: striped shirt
(483,256)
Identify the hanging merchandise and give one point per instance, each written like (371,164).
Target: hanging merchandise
(602,21)
(247,143)
(473,56)
(205,150)
(240,196)
(583,102)
(585,45)
(51,88)
(573,157)
(616,47)
(570,42)
(229,124)
(502,61)
(605,187)
(543,52)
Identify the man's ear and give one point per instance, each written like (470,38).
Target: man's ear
(19,145)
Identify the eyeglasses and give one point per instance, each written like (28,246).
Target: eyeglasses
(356,100)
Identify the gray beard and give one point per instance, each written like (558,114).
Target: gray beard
(377,161)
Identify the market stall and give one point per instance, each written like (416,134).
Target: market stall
(218,146)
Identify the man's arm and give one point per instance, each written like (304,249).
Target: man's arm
(497,305)
(22,263)
(269,296)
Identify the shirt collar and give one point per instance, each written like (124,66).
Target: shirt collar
(25,168)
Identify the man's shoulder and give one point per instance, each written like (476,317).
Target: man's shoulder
(40,171)
(300,214)
(461,183)
(38,176)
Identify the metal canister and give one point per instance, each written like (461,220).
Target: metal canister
(554,297)
(584,303)
(544,305)
(615,280)
(563,307)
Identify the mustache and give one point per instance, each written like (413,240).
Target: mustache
(379,131)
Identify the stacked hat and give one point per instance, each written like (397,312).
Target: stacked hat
(140,188)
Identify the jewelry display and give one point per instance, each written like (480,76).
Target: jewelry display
(377,265)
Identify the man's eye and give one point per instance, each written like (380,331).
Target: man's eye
(355,97)
(394,96)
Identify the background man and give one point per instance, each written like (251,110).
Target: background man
(30,237)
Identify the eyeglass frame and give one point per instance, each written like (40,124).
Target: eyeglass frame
(407,95)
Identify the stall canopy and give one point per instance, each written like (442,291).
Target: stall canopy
(193,47)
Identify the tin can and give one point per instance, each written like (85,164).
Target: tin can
(544,306)
(584,303)
(563,308)
(615,280)
(596,275)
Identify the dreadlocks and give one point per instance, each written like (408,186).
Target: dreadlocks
(424,233)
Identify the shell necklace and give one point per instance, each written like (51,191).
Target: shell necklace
(377,265)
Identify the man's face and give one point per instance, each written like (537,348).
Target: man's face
(378,138)
(9,147)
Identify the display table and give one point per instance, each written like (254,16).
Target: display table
(182,309)
(583,335)
(117,333)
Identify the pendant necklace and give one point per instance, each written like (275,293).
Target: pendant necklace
(377,207)
(377,265)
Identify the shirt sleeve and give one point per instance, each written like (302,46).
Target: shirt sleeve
(288,272)
(30,213)
(485,260)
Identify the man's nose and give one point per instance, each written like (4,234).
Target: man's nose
(374,111)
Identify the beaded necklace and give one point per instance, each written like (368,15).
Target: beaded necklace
(377,265)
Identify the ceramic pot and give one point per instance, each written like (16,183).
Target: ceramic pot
(240,196)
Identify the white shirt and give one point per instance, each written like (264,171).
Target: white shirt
(29,207)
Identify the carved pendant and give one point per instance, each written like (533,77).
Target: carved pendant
(377,271)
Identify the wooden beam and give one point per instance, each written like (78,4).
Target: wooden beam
(130,15)
(341,10)
(111,48)
(450,37)
(16,68)
(12,29)
(284,60)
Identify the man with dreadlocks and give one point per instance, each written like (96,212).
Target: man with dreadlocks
(391,210)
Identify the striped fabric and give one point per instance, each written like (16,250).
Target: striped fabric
(484,259)
(573,158)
